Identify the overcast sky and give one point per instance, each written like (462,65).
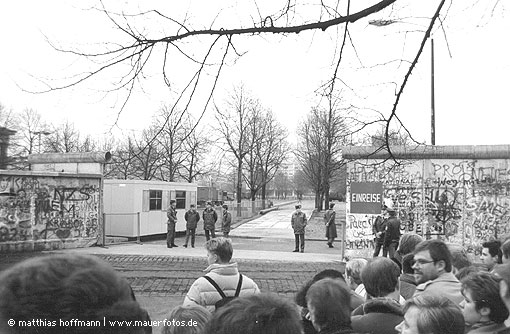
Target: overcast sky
(472,90)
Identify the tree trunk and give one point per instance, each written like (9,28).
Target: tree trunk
(263,196)
(239,186)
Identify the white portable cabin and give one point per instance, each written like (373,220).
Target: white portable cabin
(126,200)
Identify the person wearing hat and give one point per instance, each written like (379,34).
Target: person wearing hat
(192,217)
(298,222)
(329,220)
(226,221)
(392,235)
(171,213)
(210,217)
(379,230)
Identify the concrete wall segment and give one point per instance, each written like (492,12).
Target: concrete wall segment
(48,210)
(465,201)
(428,152)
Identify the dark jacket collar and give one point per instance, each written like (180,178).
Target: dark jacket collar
(382,305)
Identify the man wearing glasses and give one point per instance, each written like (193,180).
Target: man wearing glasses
(432,265)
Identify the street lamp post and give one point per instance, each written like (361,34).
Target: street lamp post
(383,23)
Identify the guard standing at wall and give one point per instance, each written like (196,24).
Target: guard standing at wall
(227,221)
(329,221)
(171,213)
(210,217)
(392,235)
(192,217)
(298,222)
(379,229)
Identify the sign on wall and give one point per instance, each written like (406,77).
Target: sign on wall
(366,197)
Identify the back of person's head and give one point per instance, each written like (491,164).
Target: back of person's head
(437,315)
(190,319)
(353,269)
(505,250)
(466,271)
(494,247)
(256,314)
(484,289)
(60,288)
(329,302)
(380,277)
(408,242)
(438,252)
(459,256)
(327,273)
(407,264)
(222,247)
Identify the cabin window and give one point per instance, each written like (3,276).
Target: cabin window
(180,199)
(155,200)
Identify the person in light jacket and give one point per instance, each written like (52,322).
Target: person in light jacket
(298,222)
(223,272)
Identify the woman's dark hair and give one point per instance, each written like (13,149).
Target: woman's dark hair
(329,300)
(300,298)
(484,289)
(380,277)
(256,314)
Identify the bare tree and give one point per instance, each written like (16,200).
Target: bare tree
(394,138)
(170,126)
(272,150)
(310,152)
(146,156)
(30,130)
(233,121)
(123,160)
(196,145)
(252,170)
(64,138)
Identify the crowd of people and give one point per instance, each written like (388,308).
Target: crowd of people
(428,287)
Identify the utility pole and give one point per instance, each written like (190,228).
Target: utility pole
(432,97)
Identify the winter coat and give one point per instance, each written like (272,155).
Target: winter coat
(192,218)
(171,214)
(392,231)
(488,328)
(445,285)
(298,222)
(226,276)
(378,315)
(210,217)
(227,221)
(329,220)
(407,286)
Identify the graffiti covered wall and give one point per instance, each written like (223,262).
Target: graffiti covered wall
(462,201)
(47,211)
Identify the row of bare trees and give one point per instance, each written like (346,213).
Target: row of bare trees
(175,147)
(256,143)
(321,137)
